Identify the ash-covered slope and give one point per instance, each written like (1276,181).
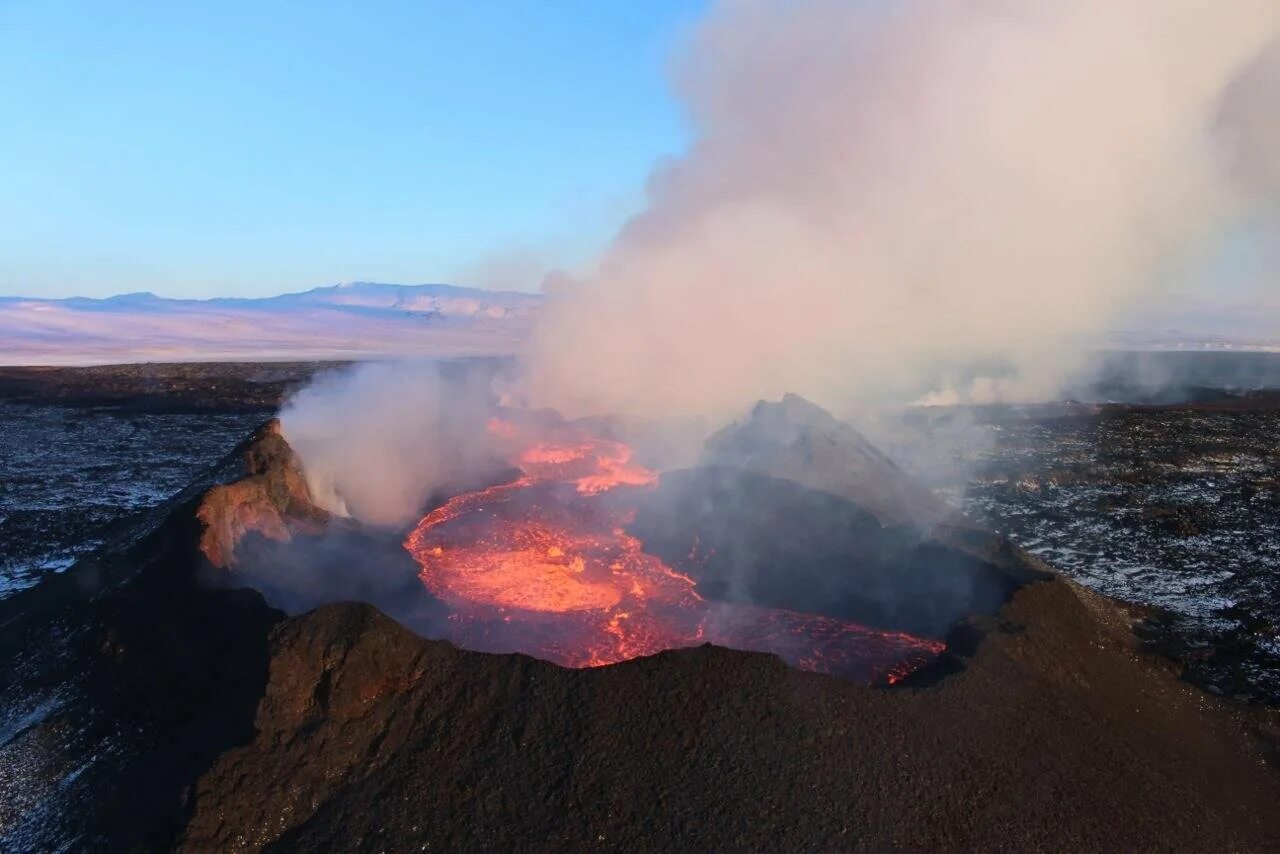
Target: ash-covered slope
(151,704)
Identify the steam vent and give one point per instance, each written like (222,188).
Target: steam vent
(790,645)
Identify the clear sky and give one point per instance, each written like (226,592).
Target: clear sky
(251,148)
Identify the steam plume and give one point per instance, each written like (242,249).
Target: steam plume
(876,189)
(876,193)
(377,440)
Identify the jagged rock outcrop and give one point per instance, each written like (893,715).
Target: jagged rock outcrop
(271,500)
(796,440)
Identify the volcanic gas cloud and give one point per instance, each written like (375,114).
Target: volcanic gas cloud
(874,196)
(543,564)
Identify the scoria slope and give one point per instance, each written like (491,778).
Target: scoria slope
(1056,734)
(1044,725)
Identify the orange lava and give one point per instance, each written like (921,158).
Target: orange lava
(543,565)
(593,466)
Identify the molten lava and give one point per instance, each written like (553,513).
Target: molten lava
(544,565)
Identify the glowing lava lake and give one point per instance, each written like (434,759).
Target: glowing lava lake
(544,565)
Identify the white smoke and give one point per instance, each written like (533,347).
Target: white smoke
(377,440)
(878,197)
(881,190)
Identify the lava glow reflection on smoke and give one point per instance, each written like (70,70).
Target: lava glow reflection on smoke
(544,565)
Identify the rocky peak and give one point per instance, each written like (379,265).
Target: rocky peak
(271,500)
(797,440)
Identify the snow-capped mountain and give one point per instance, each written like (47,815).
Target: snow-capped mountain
(350,320)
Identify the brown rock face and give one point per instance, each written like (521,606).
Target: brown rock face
(272,500)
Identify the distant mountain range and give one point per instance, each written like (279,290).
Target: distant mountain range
(350,320)
(368,319)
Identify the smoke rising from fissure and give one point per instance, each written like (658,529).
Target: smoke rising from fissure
(377,440)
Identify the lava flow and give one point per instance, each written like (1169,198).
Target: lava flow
(544,565)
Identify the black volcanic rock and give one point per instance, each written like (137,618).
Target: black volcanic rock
(795,509)
(160,387)
(120,682)
(150,704)
(799,441)
(748,538)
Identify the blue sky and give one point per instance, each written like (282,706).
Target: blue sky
(252,148)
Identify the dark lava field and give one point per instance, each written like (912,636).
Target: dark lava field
(67,474)
(82,449)
(1174,505)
